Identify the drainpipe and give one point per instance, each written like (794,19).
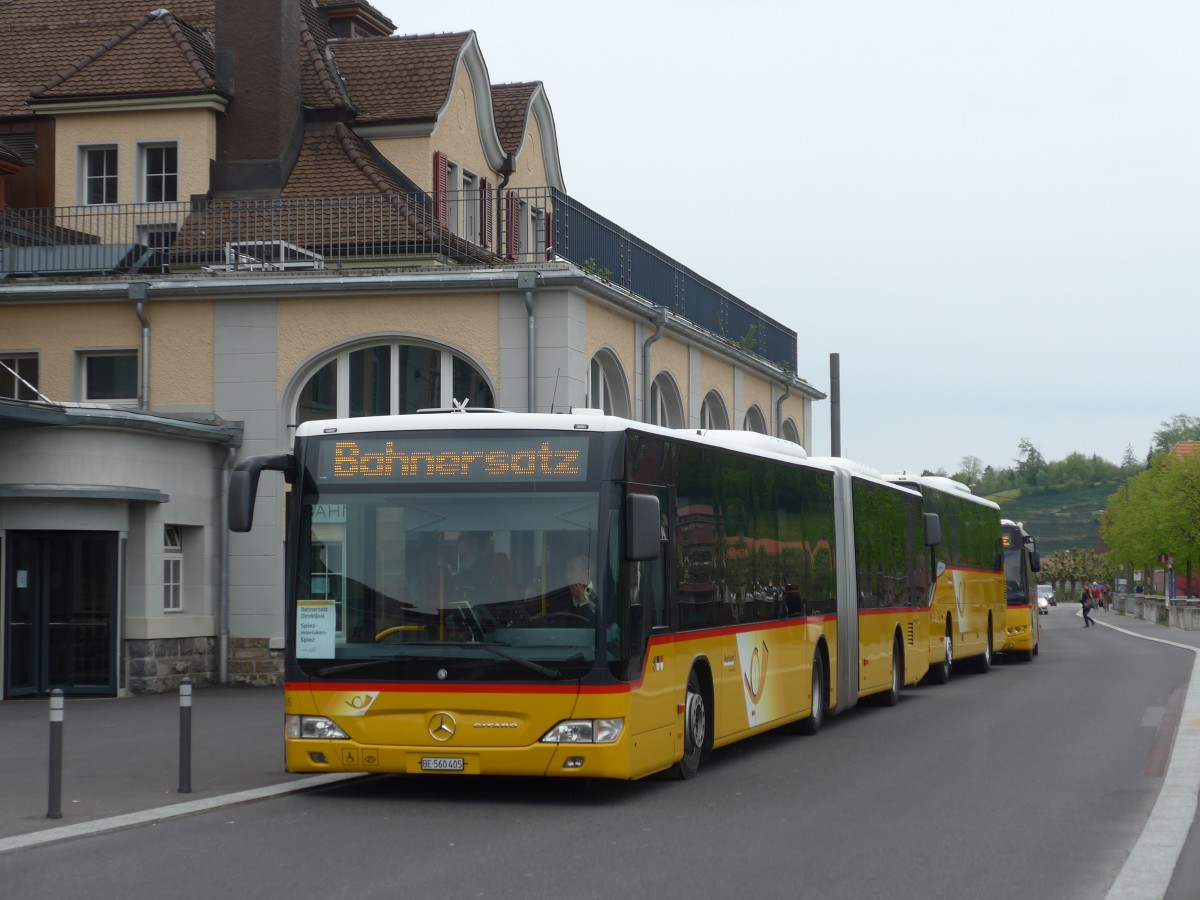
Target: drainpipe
(660,322)
(787,390)
(223,567)
(527,282)
(138,293)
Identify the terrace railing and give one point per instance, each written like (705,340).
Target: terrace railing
(349,233)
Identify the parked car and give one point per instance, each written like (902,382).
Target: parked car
(1045,595)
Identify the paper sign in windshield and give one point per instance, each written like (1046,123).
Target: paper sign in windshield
(316,629)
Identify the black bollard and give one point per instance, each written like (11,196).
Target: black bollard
(54,809)
(185,736)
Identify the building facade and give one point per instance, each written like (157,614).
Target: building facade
(212,230)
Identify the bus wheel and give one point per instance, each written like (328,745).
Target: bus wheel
(983,662)
(892,696)
(695,728)
(820,700)
(940,673)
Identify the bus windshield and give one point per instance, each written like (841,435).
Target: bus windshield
(476,577)
(1014,568)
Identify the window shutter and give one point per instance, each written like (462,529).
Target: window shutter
(485,212)
(549,235)
(511,226)
(441,187)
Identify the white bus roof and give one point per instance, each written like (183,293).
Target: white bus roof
(945,485)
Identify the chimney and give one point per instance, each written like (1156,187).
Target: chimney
(258,62)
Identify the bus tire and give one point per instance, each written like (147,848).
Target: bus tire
(983,662)
(891,696)
(820,699)
(940,673)
(695,728)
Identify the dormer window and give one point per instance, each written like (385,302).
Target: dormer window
(99,175)
(462,200)
(160,173)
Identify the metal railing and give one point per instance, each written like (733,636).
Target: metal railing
(345,233)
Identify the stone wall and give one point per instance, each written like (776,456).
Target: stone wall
(252,662)
(157,666)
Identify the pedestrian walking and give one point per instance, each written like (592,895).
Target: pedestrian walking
(1086,602)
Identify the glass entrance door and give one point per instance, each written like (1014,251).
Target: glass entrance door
(60,621)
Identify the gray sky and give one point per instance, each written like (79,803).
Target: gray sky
(990,210)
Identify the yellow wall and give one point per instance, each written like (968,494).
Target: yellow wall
(531,165)
(608,328)
(56,332)
(308,328)
(181,353)
(717,375)
(193,130)
(181,344)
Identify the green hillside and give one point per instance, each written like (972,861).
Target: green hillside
(1060,520)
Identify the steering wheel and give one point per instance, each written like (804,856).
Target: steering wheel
(397,629)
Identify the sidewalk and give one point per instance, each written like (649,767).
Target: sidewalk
(121,756)
(1132,624)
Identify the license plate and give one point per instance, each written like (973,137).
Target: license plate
(442,764)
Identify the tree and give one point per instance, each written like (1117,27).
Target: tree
(1156,511)
(972,469)
(1180,428)
(1030,462)
(1129,461)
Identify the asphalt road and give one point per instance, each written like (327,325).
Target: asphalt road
(1033,780)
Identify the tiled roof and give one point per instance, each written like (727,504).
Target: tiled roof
(320,86)
(340,195)
(39,40)
(156,55)
(510,105)
(334,161)
(1185,448)
(395,79)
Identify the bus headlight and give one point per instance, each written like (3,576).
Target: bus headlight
(313,727)
(585,731)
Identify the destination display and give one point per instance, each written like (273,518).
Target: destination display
(425,459)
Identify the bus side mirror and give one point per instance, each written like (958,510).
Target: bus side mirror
(243,486)
(643,528)
(933,529)
(1035,561)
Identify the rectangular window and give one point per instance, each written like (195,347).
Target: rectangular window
(18,376)
(172,568)
(454,196)
(160,168)
(99,175)
(538,222)
(470,207)
(157,237)
(110,375)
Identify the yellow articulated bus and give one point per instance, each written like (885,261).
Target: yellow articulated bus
(579,595)
(1023,632)
(969,615)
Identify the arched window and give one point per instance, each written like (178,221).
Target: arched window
(606,386)
(390,379)
(754,421)
(666,409)
(790,432)
(712,412)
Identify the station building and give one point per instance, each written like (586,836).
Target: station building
(214,227)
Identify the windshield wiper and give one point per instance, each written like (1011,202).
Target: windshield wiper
(548,671)
(360,664)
